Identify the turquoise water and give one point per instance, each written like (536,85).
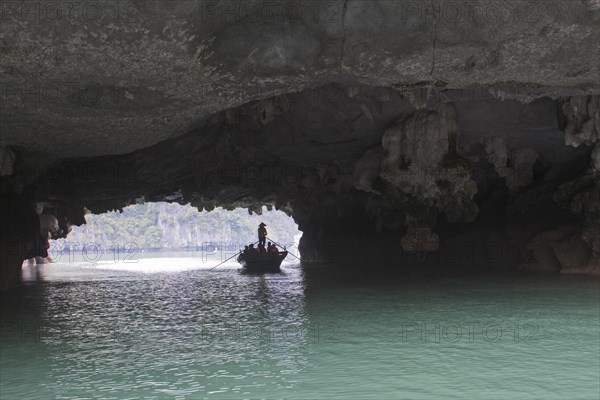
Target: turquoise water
(167,328)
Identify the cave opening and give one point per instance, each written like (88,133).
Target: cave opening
(169,231)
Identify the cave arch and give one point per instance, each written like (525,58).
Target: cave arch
(329,162)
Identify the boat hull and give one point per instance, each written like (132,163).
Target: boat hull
(262,262)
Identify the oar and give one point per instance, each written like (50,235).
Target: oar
(284,248)
(223,262)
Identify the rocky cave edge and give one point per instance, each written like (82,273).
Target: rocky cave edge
(394,137)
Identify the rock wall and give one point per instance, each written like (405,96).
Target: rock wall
(368,178)
(19,234)
(94,78)
(228,103)
(579,117)
(574,249)
(421,165)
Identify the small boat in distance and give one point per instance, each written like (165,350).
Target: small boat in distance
(262,262)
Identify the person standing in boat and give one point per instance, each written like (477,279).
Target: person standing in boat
(262,234)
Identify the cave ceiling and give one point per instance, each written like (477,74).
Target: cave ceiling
(95,78)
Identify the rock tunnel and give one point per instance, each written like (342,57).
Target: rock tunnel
(456,137)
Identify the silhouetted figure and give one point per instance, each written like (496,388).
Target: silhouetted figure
(262,234)
(246,250)
(251,249)
(271,248)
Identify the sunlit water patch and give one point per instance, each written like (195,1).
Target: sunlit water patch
(148,263)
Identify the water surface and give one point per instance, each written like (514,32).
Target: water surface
(171,328)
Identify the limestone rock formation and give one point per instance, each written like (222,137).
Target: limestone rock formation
(363,119)
(515,166)
(78,82)
(543,246)
(18,235)
(596,157)
(574,250)
(591,235)
(579,116)
(421,165)
(367,170)
(572,253)
(565,250)
(420,240)
(365,175)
